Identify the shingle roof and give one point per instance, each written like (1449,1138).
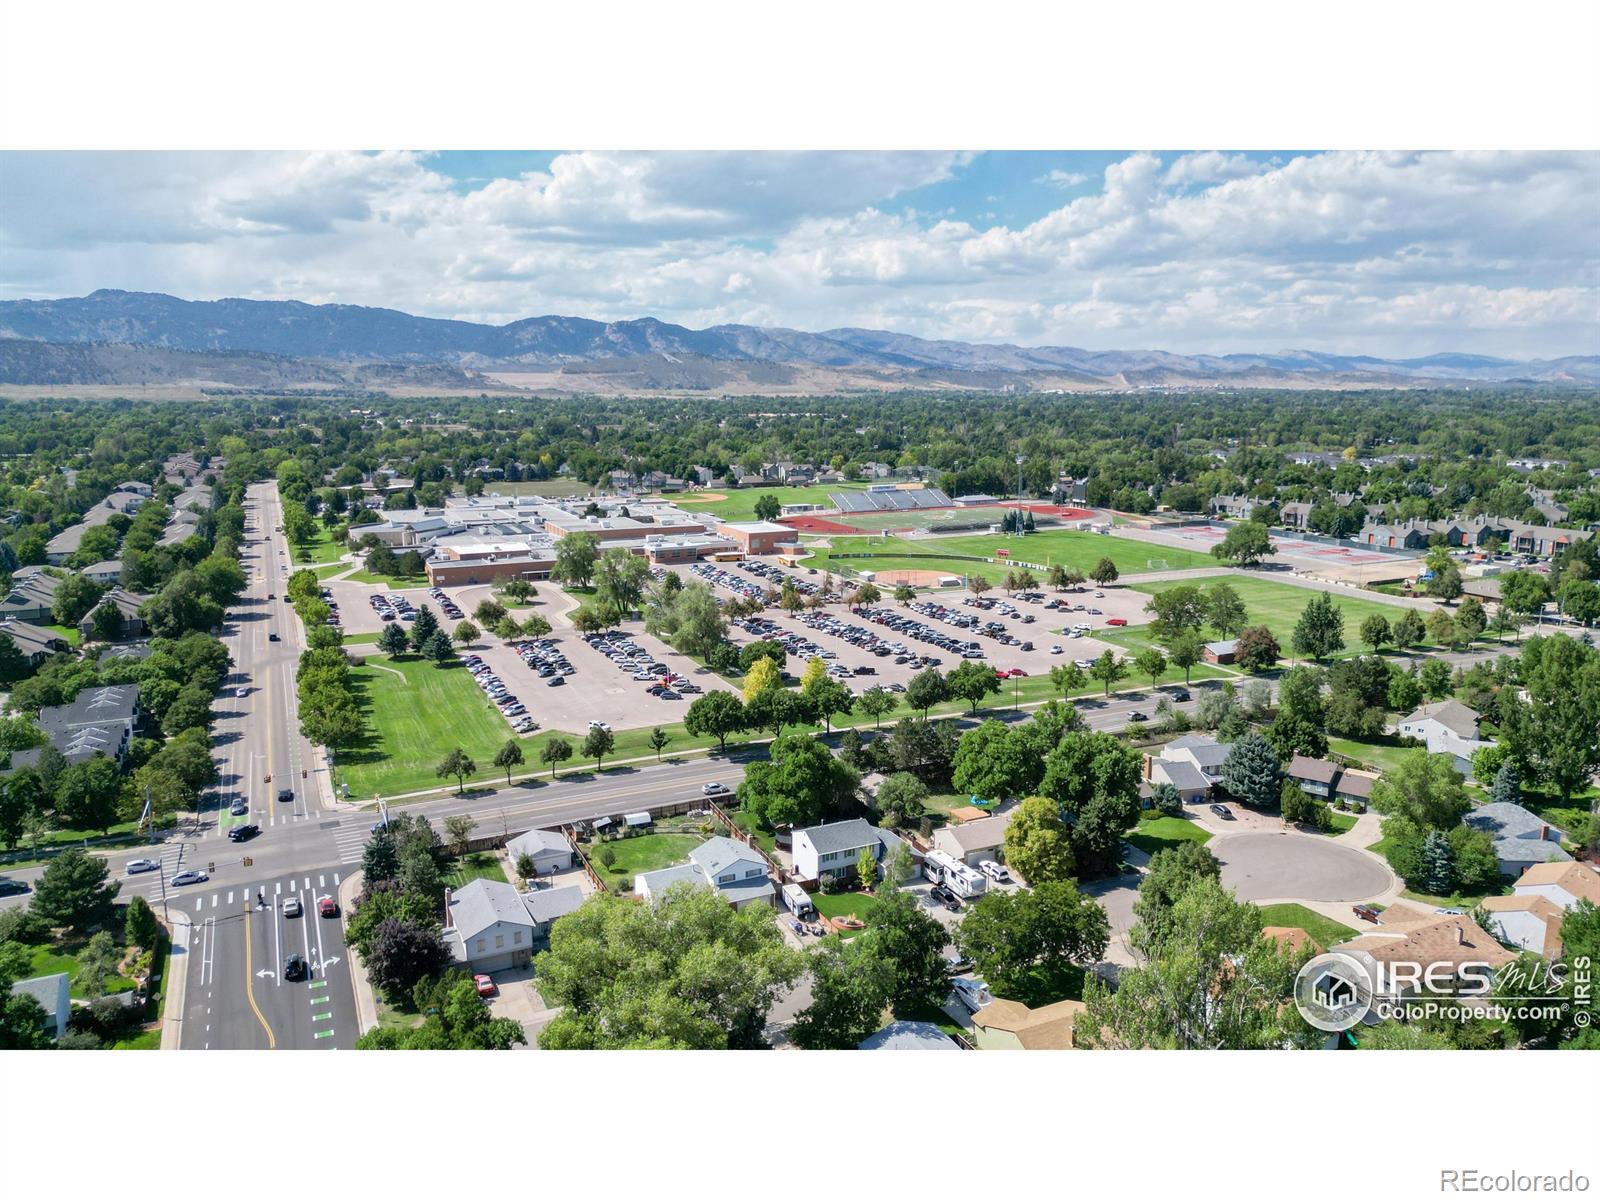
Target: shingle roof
(656,882)
(1579,882)
(1318,770)
(485,902)
(839,835)
(1046,1028)
(1551,914)
(1507,820)
(93,706)
(980,835)
(546,905)
(909,1035)
(536,842)
(46,989)
(1452,714)
(715,855)
(1184,776)
(1447,940)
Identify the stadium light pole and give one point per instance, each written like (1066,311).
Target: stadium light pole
(1019,495)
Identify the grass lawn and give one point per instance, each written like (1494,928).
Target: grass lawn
(897,554)
(1342,823)
(150,1039)
(540,487)
(72,633)
(635,855)
(1323,930)
(1074,549)
(740,504)
(1377,756)
(1275,605)
(845,904)
(390,581)
(767,841)
(1157,833)
(481,865)
(1564,816)
(361,639)
(321,549)
(55,958)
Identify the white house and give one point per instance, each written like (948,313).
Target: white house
(51,993)
(1192,764)
(1446,727)
(487,926)
(731,869)
(549,849)
(1531,922)
(1561,883)
(1521,838)
(833,849)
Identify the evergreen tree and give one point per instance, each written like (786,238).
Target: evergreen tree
(1252,771)
(1438,864)
(1507,788)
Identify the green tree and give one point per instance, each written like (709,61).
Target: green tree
(901,800)
(1108,669)
(1185,651)
(1038,844)
(1375,631)
(555,752)
(971,681)
(990,763)
(1552,727)
(913,944)
(1246,544)
(1225,609)
(687,971)
(139,926)
(509,756)
(927,688)
(1150,662)
(392,641)
(423,628)
(1252,772)
(1104,573)
(1028,942)
(576,557)
(1408,630)
(74,597)
(1170,873)
(877,701)
(1067,678)
(797,785)
(1425,789)
(829,698)
(459,764)
(598,743)
(437,649)
(1177,610)
(852,983)
(86,794)
(1319,633)
(715,714)
(74,892)
(465,633)
(1298,727)
(767,507)
(1438,864)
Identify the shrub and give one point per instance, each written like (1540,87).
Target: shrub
(830,884)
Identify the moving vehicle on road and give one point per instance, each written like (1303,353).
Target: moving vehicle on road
(1136,715)
(291,906)
(272,637)
(241,693)
(184,878)
(239,807)
(285,795)
(294,967)
(713,789)
(12,887)
(327,907)
(243,833)
(137,866)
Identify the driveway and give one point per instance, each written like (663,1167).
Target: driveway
(1292,866)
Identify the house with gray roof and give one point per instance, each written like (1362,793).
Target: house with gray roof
(127,605)
(550,850)
(546,905)
(1521,838)
(488,927)
(53,992)
(833,849)
(1446,727)
(32,596)
(34,642)
(101,720)
(1328,780)
(106,572)
(731,869)
(973,841)
(909,1035)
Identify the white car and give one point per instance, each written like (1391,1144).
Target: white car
(291,908)
(713,789)
(241,693)
(994,871)
(600,725)
(974,993)
(137,866)
(1055,650)
(1084,663)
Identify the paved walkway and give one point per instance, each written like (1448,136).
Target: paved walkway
(177,981)
(366,998)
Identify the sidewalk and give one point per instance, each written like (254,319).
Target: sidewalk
(366,999)
(177,981)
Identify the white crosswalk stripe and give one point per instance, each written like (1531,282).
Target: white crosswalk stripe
(351,841)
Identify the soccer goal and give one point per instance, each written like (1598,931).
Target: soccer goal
(1156,564)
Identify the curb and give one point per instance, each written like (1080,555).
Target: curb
(366,999)
(178,983)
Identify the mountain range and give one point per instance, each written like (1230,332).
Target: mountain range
(252,342)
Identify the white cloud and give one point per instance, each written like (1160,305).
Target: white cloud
(1063,179)
(1376,252)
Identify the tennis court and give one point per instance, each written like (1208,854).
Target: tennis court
(1209,535)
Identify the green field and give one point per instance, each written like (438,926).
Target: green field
(637,855)
(71,633)
(1160,833)
(388,581)
(482,865)
(1074,549)
(1275,605)
(1375,756)
(845,904)
(321,549)
(740,504)
(541,487)
(1325,932)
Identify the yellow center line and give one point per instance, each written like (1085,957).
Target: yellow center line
(250,982)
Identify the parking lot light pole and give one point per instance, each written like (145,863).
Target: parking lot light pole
(1019,495)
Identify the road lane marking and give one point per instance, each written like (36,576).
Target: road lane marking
(277,939)
(320,983)
(322,881)
(322,1016)
(323,1034)
(336,879)
(214,896)
(279,889)
(250,984)
(321,999)
(230,897)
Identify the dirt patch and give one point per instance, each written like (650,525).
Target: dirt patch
(914,578)
(698,498)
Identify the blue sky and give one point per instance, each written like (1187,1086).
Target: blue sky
(1386,253)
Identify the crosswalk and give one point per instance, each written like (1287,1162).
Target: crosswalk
(351,840)
(318,883)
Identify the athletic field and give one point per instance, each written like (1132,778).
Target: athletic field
(1068,547)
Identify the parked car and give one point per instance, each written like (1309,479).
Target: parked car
(291,906)
(973,993)
(994,871)
(1366,912)
(137,866)
(945,897)
(239,807)
(1222,811)
(484,984)
(958,966)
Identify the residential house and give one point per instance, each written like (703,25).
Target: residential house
(1007,1025)
(32,596)
(488,927)
(550,850)
(1296,514)
(1446,727)
(100,721)
(1562,883)
(1203,754)
(53,992)
(35,643)
(1402,535)
(1329,781)
(547,905)
(1439,945)
(1192,784)
(1531,922)
(733,870)
(125,602)
(833,849)
(1521,838)
(973,841)
(105,572)
(1235,508)
(909,1035)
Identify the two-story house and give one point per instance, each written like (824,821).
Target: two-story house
(834,848)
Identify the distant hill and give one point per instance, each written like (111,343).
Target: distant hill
(312,340)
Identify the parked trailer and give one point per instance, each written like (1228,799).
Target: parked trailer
(957,876)
(797,902)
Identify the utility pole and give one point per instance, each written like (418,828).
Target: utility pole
(1019,495)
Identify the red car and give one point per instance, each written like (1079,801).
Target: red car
(1115,621)
(328,907)
(484,984)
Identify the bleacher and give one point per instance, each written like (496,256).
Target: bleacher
(883,499)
